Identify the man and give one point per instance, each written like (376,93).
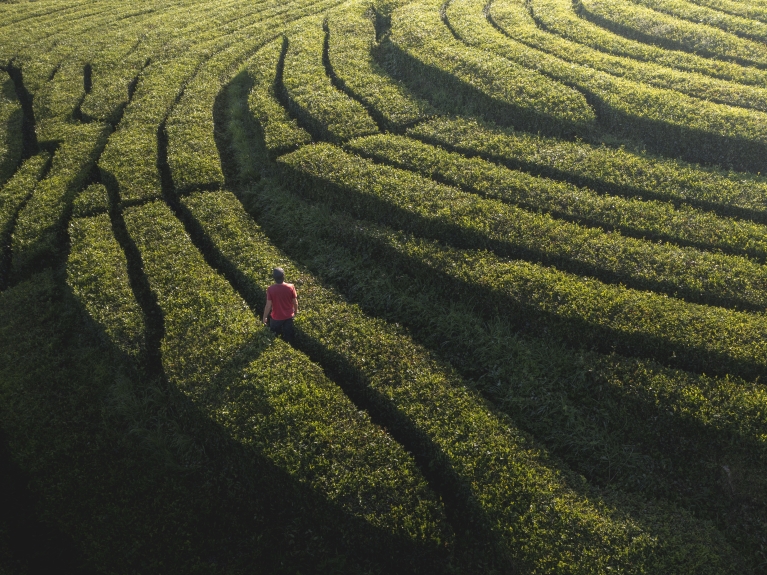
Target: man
(282,303)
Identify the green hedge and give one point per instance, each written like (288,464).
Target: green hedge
(754,10)
(273,399)
(606,169)
(193,155)
(739,26)
(92,200)
(10,131)
(351,46)
(528,504)
(665,121)
(280,132)
(560,17)
(650,26)
(464,80)
(529,24)
(308,92)
(587,408)
(415,204)
(37,237)
(634,217)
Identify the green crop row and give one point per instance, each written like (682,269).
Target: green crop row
(307,89)
(10,131)
(281,133)
(558,17)
(37,235)
(12,198)
(522,18)
(666,121)
(647,25)
(587,408)
(412,203)
(268,396)
(351,43)
(635,217)
(461,79)
(92,200)
(608,170)
(752,10)
(692,12)
(527,503)
(132,153)
(193,153)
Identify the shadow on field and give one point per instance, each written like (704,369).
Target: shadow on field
(142,476)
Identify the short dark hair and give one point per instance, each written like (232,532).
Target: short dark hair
(279,275)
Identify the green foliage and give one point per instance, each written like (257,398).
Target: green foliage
(743,27)
(605,169)
(10,131)
(270,397)
(463,80)
(280,132)
(351,47)
(645,24)
(559,17)
(666,121)
(414,204)
(430,393)
(328,112)
(636,217)
(529,23)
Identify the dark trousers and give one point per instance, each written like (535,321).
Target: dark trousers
(283,327)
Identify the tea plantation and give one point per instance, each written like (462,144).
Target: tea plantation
(529,239)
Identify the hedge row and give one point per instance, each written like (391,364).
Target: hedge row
(306,88)
(634,217)
(92,200)
(132,153)
(351,44)
(10,130)
(37,235)
(606,169)
(753,10)
(646,25)
(457,78)
(742,27)
(271,397)
(558,17)
(193,154)
(281,133)
(666,121)
(525,23)
(543,522)
(415,204)
(586,407)
(13,196)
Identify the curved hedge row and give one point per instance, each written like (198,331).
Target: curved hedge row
(634,217)
(606,169)
(529,23)
(513,484)
(649,26)
(561,17)
(461,79)
(666,121)
(412,203)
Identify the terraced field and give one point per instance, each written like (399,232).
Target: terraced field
(529,239)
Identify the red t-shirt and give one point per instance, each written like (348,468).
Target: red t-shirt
(281,296)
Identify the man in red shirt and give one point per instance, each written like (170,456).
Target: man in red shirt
(282,303)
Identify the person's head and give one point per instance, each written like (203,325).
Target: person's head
(279,275)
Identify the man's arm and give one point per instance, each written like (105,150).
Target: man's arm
(267,309)
(295,305)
